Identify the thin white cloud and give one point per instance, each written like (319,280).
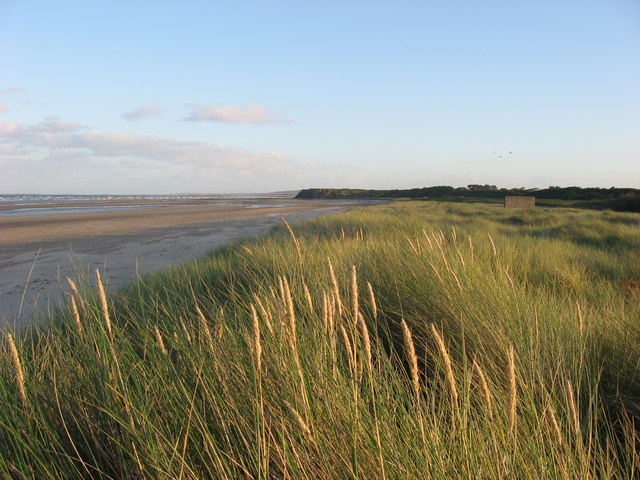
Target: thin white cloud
(54,139)
(253,114)
(142,112)
(13,90)
(3,107)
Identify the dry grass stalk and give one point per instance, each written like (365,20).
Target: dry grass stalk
(493,245)
(413,247)
(330,329)
(448,368)
(485,389)
(436,271)
(444,257)
(205,327)
(366,342)
(266,316)
(573,410)
(412,358)
(307,296)
(300,421)
(355,307)
(580,318)
(17,365)
(436,238)
(184,329)
(554,424)
(76,294)
(331,319)
(506,272)
(281,290)
(426,236)
(454,235)
(160,341)
(325,311)
(281,303)
(350,350)
(336,288)
(470,245)
(372,300)
(293,237)
(257,346)
(464,265)
(455,277)
(364,331)
(293,339)
(512,389)
(246,249)
(272,291)
(291,315)
(103,302)
(76,315)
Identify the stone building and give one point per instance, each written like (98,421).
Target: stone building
(519,202)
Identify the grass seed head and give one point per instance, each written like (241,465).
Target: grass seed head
(76,315)
(446,359)
(307,296)
(554,424)
(573,410)
(17,365)
(366,342)
(291,314)
(293,237)
(372,300)
(103,302)
(205,328)
(485,389)
(160,341)
(299,421)
(349,349)
(512,390)
(355,307)
(257,346)
(334,285)
(493,245)
(412,358)
(76,294)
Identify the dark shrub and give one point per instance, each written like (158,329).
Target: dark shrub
(629,202)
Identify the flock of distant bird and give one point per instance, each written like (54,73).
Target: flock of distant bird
(495,153)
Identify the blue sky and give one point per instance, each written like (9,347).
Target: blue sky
(168,97)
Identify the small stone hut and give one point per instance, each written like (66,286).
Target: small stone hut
(519,202)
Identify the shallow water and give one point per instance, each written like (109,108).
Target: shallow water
(58,204)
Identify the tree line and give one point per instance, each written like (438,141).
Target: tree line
(621,199)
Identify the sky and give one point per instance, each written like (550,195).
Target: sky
(149,97)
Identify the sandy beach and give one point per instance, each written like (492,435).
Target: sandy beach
(37,251)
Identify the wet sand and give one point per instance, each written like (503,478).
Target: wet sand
(37,252)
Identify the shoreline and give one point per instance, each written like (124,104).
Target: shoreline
(37,252)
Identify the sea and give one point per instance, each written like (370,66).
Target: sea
(44,204)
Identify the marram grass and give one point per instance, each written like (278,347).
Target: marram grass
(408,340)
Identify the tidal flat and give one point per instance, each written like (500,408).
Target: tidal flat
(43,242)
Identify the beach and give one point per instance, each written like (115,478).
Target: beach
(38,251)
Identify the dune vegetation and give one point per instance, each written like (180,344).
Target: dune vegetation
(398,341)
